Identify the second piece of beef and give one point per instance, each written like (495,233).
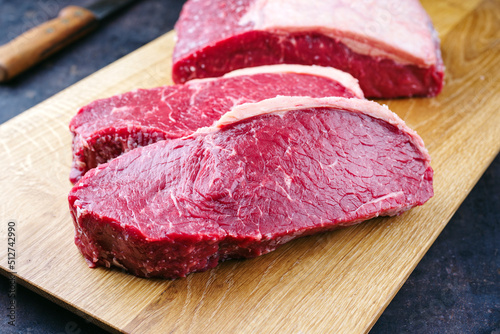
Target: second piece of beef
(106,128)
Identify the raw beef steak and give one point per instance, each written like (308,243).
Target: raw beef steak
(264,174)
(106,128)
(390,46)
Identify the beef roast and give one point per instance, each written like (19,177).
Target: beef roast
(106,128)
(264,174)
(390,46)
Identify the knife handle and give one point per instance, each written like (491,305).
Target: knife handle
(40,42)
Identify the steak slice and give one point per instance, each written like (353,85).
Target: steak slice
(264,174)
(390,46)
(106,128)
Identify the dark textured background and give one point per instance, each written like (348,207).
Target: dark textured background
(454,289)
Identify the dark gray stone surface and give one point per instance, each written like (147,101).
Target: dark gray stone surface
(454,289)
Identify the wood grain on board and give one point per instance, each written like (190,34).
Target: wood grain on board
(339,281)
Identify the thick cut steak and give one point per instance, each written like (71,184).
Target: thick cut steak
(106,128)
(264,174)
(390,46)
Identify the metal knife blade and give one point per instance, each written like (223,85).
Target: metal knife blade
(104,8)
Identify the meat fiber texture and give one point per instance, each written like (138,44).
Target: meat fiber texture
(107,128)
(264,174)
(390,46)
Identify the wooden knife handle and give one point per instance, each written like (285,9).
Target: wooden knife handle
(40,42)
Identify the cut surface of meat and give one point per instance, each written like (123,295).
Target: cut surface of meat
(106,128)
(390,46)
(264,174)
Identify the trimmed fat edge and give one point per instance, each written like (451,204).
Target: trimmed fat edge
(343,78)
(282,104)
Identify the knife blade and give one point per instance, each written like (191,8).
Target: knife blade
(38,43)
(104,8)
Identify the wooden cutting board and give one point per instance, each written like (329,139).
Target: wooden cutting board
(337,282)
